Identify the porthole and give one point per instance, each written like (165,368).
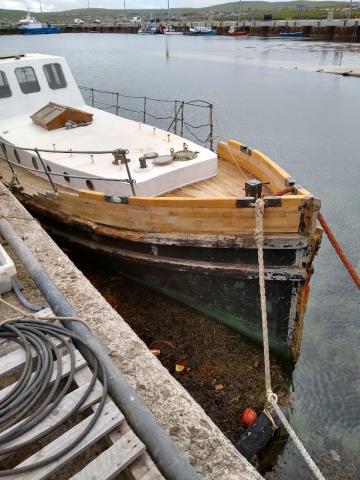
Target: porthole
(16,154)
(48,168)
(89,184)
(66,177)
(34,162)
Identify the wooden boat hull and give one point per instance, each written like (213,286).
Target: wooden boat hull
(220,281)
(201,250)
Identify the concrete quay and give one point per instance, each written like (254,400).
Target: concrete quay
(203,444)
(329,30)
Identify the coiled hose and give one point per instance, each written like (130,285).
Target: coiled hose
(19,409)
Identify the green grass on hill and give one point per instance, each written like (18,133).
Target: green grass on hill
(255,9)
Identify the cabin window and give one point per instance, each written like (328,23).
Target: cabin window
(89,184)
(17,156)
(27,80)
(55,76)
(4,86)
(34,162)
(66,177)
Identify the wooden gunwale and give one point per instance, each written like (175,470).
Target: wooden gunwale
(186,215)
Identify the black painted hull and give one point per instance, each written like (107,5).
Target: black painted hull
(221,282)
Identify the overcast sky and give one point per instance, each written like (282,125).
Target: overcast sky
(55,5)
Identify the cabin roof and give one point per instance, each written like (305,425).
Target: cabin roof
(110,132)
(6,57)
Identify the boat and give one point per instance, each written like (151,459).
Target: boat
(169,30)
(200,30)
(30,26)
(160,209)
(150,30)
(235,32)
(291,34)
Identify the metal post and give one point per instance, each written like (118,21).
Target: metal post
(349,12)
(47,173)
(182,118)
(211,126)
(92,97)
(175,118)
(129,175)
(117,104)
(144,117)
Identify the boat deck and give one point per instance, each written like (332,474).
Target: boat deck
(229,182)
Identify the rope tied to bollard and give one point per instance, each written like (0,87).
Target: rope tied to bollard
(271,397)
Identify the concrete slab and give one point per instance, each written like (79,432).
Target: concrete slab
(207,449)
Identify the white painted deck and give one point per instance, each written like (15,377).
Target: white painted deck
(107,132)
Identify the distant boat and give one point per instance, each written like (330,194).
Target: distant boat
(30,26)
(235,32)
(149,30)
(198,30)
(169,30)
(291,34)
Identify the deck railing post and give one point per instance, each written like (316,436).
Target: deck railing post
(175,118)
(211,121)
(47,173)
(117,104)
(182,118)
(126,160)
(144,117)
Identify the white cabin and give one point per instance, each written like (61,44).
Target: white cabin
(29,22)
(29,82)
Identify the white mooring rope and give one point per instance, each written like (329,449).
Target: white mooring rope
(270,395)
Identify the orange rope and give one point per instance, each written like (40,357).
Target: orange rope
(285,191)
(348,265)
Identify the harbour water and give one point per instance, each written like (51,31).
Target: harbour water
(268,94)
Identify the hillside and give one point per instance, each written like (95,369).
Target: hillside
(227,11)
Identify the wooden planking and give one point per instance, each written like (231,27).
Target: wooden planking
(62,409)
(118,459)
(17,358)
(259,164)
(174,219)
(143,468)
(229,182)
(114,460)
(65,360)
(109,419)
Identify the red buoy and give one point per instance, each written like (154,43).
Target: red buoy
(248,417)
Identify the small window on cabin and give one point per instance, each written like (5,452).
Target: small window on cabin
(55,76)
(4,86)
(27,79)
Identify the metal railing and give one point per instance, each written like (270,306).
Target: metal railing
(184,118)
(46,170)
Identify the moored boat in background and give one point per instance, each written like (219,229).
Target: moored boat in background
(30,26)
(150,30)
(162,210)
(291,34)
(200,30)
(236,32)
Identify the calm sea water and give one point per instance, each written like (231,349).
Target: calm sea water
(268,94)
